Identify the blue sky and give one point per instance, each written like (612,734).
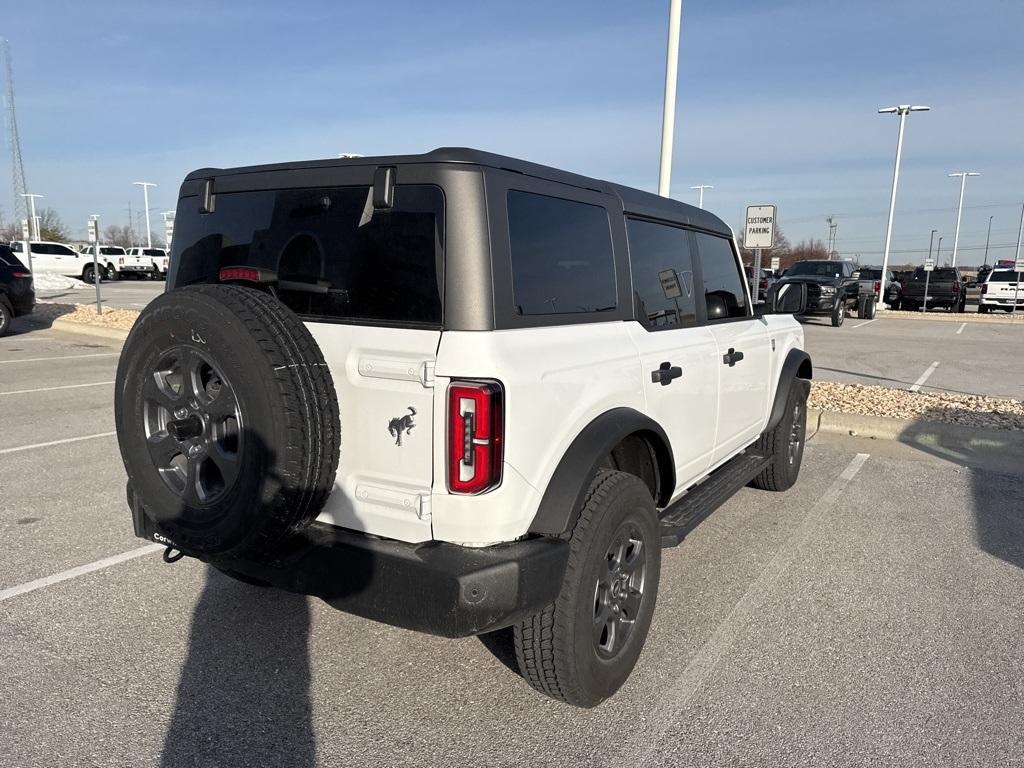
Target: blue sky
(777,100)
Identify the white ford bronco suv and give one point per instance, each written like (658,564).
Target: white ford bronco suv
(455,392)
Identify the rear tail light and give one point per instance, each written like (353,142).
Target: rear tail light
(21,274)
(475,436)
(956,287)
(878,287)
(120,261)
(984,288)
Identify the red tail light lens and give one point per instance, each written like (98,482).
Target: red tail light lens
(475,436)
(878,287)
(21,274)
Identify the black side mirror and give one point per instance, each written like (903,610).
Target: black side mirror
(787,299)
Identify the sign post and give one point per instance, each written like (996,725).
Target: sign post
(94,238)
(758,233)
(168,230)
(929,265)
(26,238)
(775,263)
(670,287)
(1018,265)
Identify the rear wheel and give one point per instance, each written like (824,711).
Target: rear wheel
(6,316)
(982,309)
(582,648)
(89,273)
(112,273)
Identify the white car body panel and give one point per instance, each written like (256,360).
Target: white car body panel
(1003,293)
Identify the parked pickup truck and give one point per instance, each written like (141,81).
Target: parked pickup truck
(1000,290)
(946,288)
(311,406)
(832,289)
(157,258)
(870,281)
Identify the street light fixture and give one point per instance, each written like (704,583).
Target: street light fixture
(960,209)
(902,110)
(701,187)
(145,200)
(35,219)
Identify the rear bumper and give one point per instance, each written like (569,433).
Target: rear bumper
(438,588)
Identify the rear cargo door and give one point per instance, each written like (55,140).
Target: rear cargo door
(384,378)
(367,281)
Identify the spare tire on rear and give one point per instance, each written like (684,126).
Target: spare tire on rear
(227,420)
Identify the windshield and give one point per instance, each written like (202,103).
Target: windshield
(815,269)
(334,255)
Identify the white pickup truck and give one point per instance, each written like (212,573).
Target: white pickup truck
(157,258)
(1003,289)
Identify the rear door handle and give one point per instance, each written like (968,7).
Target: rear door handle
(665,374)
(731,357)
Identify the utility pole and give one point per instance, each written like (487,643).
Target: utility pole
(17,166)
(832,239)
(668,116)
(987,238)
(701,187)
(938,251)
(828,237)
(960,208)
(32,216)
(902,110)
(145,201)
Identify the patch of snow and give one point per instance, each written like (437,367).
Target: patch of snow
(48,282)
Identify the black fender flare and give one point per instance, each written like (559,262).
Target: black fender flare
(565,493)
(796,366)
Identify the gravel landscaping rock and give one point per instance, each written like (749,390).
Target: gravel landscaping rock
(85,314)
(966,410)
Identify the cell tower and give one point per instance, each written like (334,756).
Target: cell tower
(17,168)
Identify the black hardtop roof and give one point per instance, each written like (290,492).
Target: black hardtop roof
(633,200)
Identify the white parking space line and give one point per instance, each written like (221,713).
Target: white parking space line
(56,442)
(61,357)
(704,662)
(924,377)
(961,328)
(866,322)
(53,389)
(73,573)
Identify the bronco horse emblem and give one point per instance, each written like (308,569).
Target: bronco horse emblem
(401,424)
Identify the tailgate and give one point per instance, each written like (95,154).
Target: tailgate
(384,381)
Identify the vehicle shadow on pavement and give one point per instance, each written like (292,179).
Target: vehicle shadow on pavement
(995,466)
(243,698)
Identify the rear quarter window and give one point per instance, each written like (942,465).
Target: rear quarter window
(561,253)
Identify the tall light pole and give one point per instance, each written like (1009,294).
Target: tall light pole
(668,116)
(832,228)
(145,200)
(931,240)
(700,199)
(34,219)
(938,251)
(988,237)
(960,208)
(902,110)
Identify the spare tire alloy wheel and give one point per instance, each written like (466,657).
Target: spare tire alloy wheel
(193,426)
(227,421)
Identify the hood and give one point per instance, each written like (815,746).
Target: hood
(818,279)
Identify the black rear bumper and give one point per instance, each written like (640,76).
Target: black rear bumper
(439,588)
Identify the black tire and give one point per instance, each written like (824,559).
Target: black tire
(785,443)
(112,273)
(88,276)
(559,650)
(910,306)
(838,314)
(982,309)
(6,316)
(869,309)
(227,420)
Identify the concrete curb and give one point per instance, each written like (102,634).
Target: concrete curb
(957,317)
(911,430)
(67,326)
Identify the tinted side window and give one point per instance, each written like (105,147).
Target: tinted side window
(561,255)
(723,285)
(63,250)
(662,266)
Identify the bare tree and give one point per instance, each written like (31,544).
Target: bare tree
(118,235)
(10,231)
(51,227)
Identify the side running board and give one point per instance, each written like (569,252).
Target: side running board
(686,514)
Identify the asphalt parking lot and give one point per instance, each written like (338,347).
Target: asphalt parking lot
(119,294)
(941,355)
(871,615)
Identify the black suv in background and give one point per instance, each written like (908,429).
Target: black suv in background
(17,297)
